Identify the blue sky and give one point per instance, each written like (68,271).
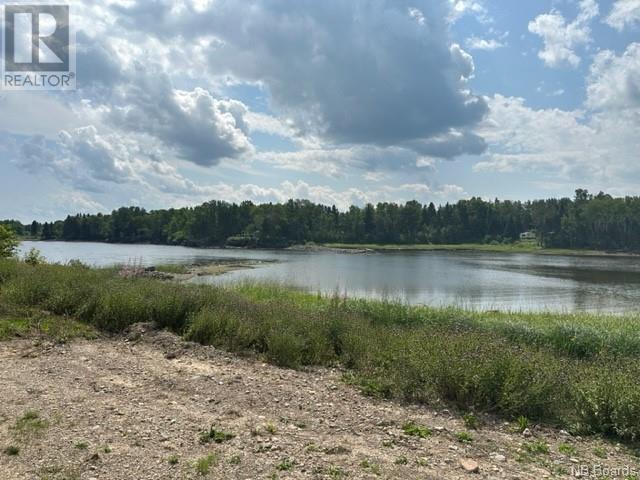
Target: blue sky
(180,102)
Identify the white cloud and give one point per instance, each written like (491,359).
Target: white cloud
(561,39)
(477,43)
(597,147)
(342,198)
(460,8)
(614,81)
(624,14)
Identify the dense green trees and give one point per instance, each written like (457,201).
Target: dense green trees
(586,221)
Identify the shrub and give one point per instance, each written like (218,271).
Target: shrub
(8,242)
(33,257)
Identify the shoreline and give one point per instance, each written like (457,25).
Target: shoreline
(475,247)
(365,248)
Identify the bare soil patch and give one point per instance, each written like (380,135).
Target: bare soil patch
(137,407)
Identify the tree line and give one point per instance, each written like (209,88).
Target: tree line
(585,221)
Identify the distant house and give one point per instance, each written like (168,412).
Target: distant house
(530,235)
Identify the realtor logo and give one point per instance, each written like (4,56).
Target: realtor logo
(38,52)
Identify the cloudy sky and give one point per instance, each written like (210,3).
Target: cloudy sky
(340,102)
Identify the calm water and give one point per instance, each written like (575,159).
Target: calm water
(469,279)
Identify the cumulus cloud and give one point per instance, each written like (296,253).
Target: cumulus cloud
(614,81)
(359,72)
(595,147)
(624,14)
(561,39)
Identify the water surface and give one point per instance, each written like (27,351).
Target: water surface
(479,280)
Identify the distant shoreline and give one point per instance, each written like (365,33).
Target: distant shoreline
(477,247)
(363,248)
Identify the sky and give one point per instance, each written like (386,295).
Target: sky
(182,102)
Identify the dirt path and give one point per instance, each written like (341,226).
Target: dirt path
(116,409)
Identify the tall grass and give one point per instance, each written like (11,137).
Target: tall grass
(579,371)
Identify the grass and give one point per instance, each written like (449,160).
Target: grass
(471,421)
(11,450)
(216,436)
(415,430)
(536,447)
(204,464)
(567,449)
(572,370)
(464,437)
(285,465)
(30,424)
(178,269)
(81,445)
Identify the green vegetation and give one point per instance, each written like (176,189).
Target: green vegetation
(415,430)
(567,449)
(81,445)
(471,421)
(598,222)
(522,423)
(30,424)
(285,465)
(537,447)
(517,246)
(573,370)
(175,269)
(173,460)
(8,242)
(464,437)
(216,436)
(11,450)
(204,464)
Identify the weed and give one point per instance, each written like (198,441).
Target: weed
(401,460)
(567,449)
(216,436)
(471,421)
(522,423)
(285,465)
(235,460)
(270,428)
(415,430)
(536,447)
(173,460)
(81,445)
(204,464)
(600,452)
(372,467)
(11,450)
(464,437)
(336,473)
(30,424)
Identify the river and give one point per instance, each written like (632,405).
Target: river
(477,280)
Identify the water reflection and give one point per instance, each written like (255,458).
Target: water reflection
(468,279)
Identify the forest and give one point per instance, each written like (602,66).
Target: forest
(585,221)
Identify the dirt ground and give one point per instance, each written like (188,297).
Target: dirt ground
(135,407)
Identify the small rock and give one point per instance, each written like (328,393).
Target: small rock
(469,465)
(526,433)
(500,458)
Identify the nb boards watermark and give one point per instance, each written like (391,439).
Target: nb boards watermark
(38,47)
